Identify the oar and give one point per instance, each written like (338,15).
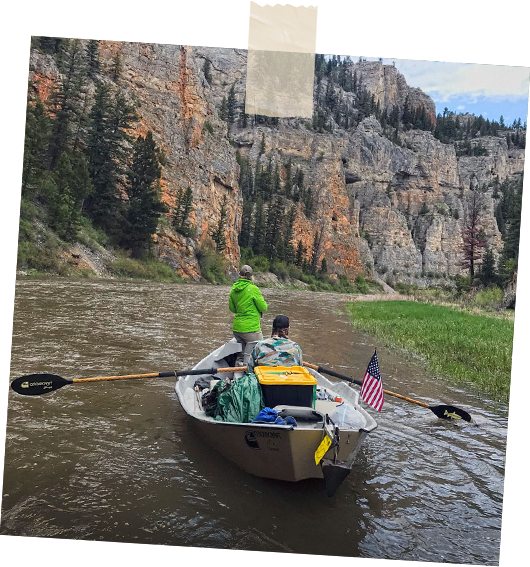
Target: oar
(37,384)
(443,412)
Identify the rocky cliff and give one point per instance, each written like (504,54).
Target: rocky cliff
(388,210)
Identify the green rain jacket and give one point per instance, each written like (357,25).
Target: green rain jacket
(247,303)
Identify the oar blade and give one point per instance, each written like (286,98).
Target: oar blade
(38,384)
(450,412)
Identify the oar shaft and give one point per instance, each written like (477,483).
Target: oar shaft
(126,377)
(194,372)
(359,383)
(406,399)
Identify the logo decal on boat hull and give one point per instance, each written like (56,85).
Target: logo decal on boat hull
(251,440)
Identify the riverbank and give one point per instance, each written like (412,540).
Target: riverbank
(459,346)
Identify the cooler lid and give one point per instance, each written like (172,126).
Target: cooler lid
(284,376)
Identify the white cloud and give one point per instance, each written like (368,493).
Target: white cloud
(447,80)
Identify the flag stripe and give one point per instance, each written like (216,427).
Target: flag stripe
(372,387)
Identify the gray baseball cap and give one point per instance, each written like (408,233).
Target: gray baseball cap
(245,270)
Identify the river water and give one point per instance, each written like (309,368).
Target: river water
(120,461)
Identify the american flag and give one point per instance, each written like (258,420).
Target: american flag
(372,388)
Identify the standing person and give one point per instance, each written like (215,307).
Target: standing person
(247,303)
(279,350)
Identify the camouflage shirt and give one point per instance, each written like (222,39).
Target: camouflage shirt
(276,351)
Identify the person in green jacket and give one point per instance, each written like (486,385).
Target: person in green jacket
(247,303)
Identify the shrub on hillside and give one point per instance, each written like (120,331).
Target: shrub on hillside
(212,264)
(143,269)
(490,298)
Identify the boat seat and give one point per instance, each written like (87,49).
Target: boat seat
(326,406)
(300,413)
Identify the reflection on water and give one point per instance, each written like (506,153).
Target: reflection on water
(119,461)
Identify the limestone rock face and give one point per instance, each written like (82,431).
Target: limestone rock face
(390,87)
(394,212)
(174,105)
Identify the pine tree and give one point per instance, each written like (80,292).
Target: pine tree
(144,206)
(35,145)
(218,235)
(473,240)
(262,144)
(299,256)
(67,101)
(231,106)
(299,192)
(308,203)
(288,186)
(116,68)
(107,152)
(288,228)
(207,70)
(51,45)
(315,256)
(499,217)
(181,213)
(517,242)
(258,231)
(273,241)
(246,224)
(223,109)
(276,181)
(92,53)
(63,211)
(488,272)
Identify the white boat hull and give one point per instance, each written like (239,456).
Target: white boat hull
(282,452)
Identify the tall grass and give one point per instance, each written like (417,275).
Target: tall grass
(460,346)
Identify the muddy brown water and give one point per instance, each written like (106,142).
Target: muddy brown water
(120,461)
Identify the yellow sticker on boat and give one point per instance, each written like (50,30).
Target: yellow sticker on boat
(322,449)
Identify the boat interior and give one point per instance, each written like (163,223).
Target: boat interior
(191,388)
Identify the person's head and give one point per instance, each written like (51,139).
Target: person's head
(245,272)
(280,326)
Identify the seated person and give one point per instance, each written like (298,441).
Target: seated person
(279,350)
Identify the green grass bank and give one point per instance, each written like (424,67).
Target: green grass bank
(459,346)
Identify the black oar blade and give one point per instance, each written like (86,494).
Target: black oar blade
(334,475)
(38,384)
(450,412)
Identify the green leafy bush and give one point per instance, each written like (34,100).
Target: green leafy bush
(280,269)
(489,298)
(212,264)
(361,284)
(151,269)
(91,236)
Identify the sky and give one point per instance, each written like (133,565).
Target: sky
(490,90)
(8,62)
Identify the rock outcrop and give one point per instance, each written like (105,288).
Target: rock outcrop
(391,211)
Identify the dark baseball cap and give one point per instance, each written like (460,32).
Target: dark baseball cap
(280,322)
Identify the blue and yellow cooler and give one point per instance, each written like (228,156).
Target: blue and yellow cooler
(287,385)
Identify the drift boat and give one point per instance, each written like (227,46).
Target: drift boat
(334,429)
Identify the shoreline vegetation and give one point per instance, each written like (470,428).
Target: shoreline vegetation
(457,342)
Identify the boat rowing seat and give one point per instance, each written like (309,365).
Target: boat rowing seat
(307,416)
